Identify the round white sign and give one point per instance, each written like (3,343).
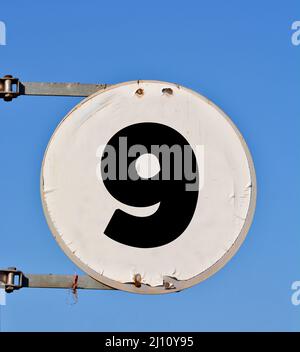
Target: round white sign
(148,187)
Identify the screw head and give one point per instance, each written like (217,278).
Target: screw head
(167,91)
(139,92)
(9,289)
(137,280)
(8,97)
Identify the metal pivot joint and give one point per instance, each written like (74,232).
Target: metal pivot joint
(9,88)
(12,279)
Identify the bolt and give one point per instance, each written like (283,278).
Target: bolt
(167,91)
(139,92)
(8,97)
(10,280)
(9,289)
(168,285)
(137,280)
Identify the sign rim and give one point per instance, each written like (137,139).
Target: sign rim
(179,284)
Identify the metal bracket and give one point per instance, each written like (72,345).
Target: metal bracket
(13,279)
(11,87)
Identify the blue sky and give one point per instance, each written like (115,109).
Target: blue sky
(240,55)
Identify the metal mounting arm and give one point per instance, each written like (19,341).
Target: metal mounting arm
(11,87)
(13,279)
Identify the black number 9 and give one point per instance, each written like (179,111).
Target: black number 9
(177,203)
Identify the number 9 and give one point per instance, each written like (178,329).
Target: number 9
(168,188)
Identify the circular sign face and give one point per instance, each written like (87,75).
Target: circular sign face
(148,187)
